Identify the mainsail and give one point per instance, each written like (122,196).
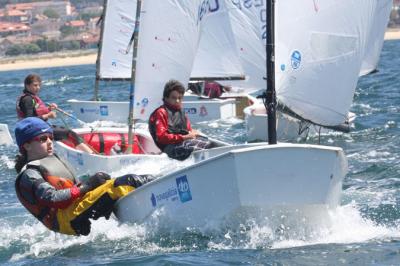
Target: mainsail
(119,21)
(168,44)
(376,36)
(216,55)
(248,20)
(320,46)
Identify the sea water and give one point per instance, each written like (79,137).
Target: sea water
(364,230)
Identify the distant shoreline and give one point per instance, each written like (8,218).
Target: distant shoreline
(392,34)
(87,57)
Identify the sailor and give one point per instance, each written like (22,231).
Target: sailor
(30,105)
(212,89)
(48,189)
(170,127)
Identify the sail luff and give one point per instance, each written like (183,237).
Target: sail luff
(100,49)
(133,75)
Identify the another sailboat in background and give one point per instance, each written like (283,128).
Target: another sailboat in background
(376,37)
(114,63)
(331,47)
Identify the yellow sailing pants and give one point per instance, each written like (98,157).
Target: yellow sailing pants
(65,216)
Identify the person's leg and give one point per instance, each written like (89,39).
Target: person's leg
(97,203)
(61,133)
(183,150)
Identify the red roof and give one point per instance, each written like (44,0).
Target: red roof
(9,26)
(22,6)
(12,13)
(76,23)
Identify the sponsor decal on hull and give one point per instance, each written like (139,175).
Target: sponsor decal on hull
(179,192)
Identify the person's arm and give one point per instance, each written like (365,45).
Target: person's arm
(50,114)
(46,194)
(163,137)
(27,107)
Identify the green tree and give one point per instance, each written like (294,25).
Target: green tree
(88,16)
(42,43)
(53,46)
(75,45)
(15,50)
(32,48)
(51,13)
(67,30)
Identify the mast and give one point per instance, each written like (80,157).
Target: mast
(96,84)
(135,37)
(270,95)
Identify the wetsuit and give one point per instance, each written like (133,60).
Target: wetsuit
(48,190)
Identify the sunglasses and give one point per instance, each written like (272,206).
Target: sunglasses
(42,138)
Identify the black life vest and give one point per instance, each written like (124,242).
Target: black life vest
(177,124)
(55,172)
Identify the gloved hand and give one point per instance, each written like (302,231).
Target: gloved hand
(94,181)
(133,180)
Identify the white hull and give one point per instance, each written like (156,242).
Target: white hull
(85,163)
(288,128)
(151,162)
(197,110)
(248,177)
(5,137)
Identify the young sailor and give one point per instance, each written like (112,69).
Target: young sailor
(212,89)
(171,129)
(48,189)
(30,105)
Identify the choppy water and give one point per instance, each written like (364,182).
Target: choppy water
(364,230)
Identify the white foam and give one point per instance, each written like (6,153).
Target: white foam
(5,160)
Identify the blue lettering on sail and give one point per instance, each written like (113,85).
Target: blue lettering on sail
(295,59)
(207,6)
(259,6)
(183,189)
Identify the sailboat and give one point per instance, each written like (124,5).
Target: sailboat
(376,37)
(335,49)
(115,60)
(246,179)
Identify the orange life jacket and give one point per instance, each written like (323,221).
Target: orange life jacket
(55,172)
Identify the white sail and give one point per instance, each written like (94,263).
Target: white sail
(217,54)
(376,37)
(167,47)
(319,49)
(248,25)
(119,23)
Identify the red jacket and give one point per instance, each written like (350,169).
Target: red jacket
(159,120)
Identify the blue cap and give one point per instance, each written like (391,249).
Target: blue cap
(28,128)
